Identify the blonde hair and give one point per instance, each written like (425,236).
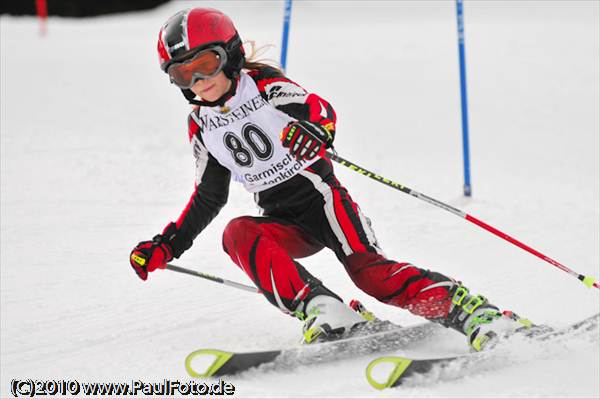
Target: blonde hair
(253,62)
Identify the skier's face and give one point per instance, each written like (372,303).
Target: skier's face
(213,88)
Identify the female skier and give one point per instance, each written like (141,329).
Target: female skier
(252,123)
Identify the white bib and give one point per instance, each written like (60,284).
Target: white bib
(246,138)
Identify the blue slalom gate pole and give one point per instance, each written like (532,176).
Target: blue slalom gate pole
(463,97)
(286,31)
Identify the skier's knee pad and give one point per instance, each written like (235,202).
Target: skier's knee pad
(239,230)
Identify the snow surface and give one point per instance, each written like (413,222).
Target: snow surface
(94,158)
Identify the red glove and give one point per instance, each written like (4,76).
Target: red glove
(148,256)
(306,139)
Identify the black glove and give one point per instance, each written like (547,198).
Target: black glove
(306,139)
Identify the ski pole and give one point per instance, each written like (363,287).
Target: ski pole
(588,281)
(210,277)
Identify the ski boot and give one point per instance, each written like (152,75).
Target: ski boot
(329,319)
(482,323)
(326,318)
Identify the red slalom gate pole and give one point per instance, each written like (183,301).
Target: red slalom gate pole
(588,281)
(42,12)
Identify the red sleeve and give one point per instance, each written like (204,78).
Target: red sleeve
(289,97)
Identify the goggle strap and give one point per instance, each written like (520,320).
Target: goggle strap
(234,43)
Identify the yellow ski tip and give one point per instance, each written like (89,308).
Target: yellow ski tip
(400,366)
(220,358)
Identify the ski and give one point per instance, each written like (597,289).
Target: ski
(222,363)
(405,367)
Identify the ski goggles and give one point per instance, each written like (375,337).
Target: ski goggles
(205,64)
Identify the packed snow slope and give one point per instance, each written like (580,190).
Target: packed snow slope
(95,157)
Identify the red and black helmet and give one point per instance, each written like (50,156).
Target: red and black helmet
(190,31)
